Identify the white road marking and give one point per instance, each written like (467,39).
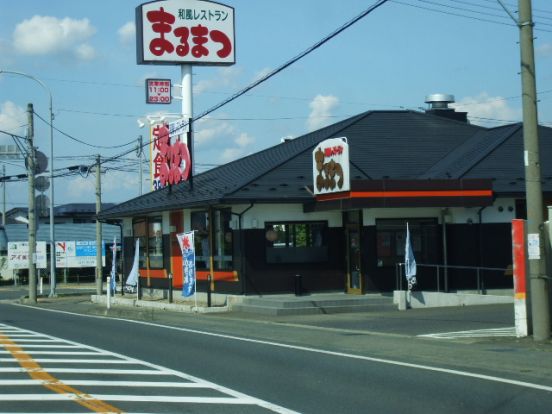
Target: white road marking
(230,397)
(151,384)
(132,398)
(52,352)
(318,351)
(476,333)
(73,361)
(91,371)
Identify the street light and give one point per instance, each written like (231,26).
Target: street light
(52,233)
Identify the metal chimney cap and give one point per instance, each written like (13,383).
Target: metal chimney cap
(439,97)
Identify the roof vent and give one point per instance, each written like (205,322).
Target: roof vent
(439,105)
(439,100)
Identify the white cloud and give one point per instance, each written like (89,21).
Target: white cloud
(208,130)
(321,109)
(243,140)
(544,50)
(224,78)
(46,35)
(127,33)
(262,73)
(221,139)
(115,185)
(12,119)
(486,110)
(85,52)
(79,188)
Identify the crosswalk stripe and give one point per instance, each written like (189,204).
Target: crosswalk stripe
(92,371)
(74,361)
(132,398)
(142,384)
(42,377)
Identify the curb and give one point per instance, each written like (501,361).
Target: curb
(176,307)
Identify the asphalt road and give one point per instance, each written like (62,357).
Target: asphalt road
(341,364)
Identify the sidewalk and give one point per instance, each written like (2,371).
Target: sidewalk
(476,323)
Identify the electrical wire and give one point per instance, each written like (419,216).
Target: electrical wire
(452,13)
(80,141)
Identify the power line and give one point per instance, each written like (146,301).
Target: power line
(452,13)
(293,60)
(83,142)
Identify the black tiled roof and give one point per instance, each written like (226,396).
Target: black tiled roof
(383,145)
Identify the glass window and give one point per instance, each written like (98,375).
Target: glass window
(391,239)
(220,239)
(139,231)
(296,242)
(149,231)
(155,243)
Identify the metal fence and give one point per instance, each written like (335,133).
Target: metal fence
(476,276)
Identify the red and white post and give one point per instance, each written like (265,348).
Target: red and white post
(519,254)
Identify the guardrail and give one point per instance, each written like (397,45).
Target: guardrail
(442,270)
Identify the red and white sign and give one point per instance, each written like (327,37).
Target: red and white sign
(185,31)
(158,91)
(330,166)
(170,158)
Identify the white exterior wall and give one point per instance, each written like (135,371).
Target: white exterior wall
(502,211)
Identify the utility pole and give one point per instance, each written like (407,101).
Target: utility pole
(32,217)
(3,196)
(538,281)
(98,228)
(140,154)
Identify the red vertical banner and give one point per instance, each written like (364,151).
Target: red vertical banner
(519,255)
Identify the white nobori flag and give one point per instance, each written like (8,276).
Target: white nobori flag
(114,266)
(409,261)
(132,279)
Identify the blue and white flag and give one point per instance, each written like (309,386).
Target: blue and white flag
(114,267)
(186,242)
(409,261)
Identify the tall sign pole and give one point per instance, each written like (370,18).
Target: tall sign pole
(32,216)
(538,281)
(184,33)
(98,227)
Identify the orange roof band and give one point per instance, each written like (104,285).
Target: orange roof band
(401,194)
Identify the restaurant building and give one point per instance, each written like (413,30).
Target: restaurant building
(331,207)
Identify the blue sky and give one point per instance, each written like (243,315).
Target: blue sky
(85,53)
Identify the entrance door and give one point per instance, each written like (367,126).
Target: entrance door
(354,282)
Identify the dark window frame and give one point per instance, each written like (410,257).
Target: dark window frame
(288,241)
(142,227)
(391,238)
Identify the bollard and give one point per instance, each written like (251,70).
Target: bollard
(209,279)
(170,288)
(298,285)
(108,302)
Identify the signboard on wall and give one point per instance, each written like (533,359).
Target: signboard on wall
(18,255)
(330,166)
(77,253)
(185,32)
(158,91)
(170,158)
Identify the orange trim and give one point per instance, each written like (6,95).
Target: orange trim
(399,194)
(227,276)
(520,295)
(154,273)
